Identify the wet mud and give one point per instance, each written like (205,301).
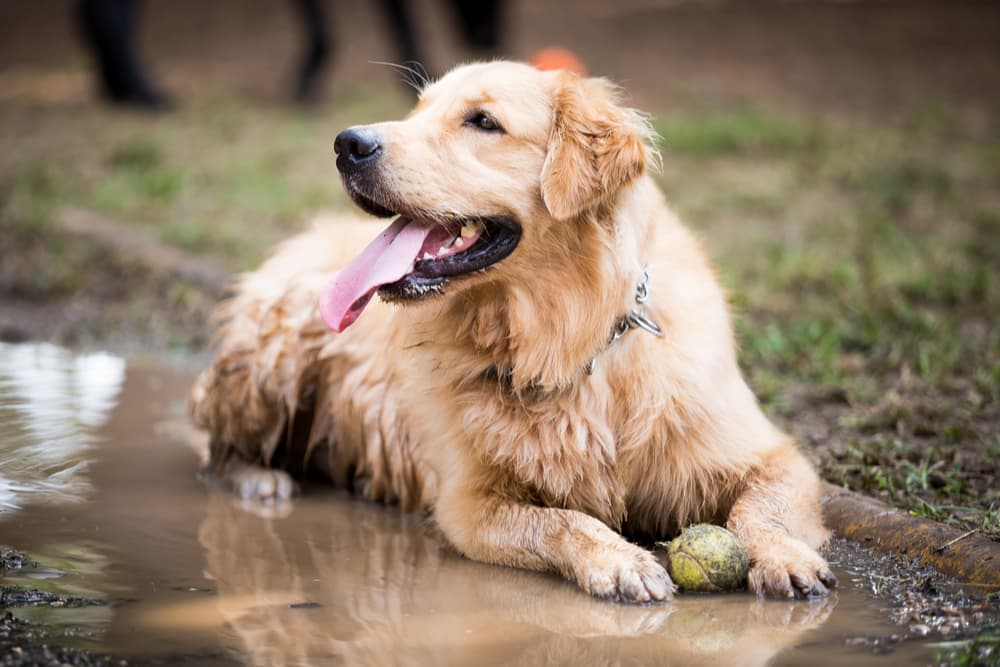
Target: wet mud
(168,570)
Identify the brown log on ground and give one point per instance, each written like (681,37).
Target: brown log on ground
(131,245)
(966,555)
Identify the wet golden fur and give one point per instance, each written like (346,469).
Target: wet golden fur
(476,405)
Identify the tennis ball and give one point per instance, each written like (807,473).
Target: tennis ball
(707,558)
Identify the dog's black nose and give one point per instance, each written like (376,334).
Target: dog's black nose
(355,147)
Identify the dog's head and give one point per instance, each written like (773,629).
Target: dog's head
(494,158)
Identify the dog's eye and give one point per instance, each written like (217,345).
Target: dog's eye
(482,121)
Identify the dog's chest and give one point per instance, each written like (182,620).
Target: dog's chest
(560,450)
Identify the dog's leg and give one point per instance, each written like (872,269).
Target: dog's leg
(254,396)
(578,546)
(777,517)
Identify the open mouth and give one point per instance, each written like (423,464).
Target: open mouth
(415,258)
(478,244)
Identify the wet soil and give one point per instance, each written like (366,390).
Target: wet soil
(178,571)
(12,560)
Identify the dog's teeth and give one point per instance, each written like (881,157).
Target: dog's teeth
(470,229)
(459,242)
(427,255)
(443,250)
(410,268)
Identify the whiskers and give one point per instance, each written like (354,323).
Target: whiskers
(413,73)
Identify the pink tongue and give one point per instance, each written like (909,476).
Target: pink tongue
(385,260)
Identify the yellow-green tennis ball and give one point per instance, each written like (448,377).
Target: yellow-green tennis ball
(707,558)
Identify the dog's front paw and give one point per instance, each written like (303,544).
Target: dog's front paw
(625,573)
(790,569)
(253,483)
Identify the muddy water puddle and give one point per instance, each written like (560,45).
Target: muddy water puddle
(97,484)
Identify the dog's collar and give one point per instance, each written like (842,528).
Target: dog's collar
(636,319)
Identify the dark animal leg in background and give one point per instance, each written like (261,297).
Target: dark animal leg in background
(318,47)
(108,27)
(397,14)
(480,22)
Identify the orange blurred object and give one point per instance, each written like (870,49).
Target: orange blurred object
(555,57)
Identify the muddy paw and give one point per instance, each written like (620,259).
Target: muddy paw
(791,569)
(260,484)
(629,574)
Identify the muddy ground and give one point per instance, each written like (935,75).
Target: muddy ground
(24,643)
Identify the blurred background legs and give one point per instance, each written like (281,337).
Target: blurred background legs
(108,28)
(480,23)
(318,45)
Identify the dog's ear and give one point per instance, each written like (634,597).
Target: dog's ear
(595,148)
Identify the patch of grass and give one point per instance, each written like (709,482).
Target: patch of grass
(29,197)
(990,522)
(219,179)
(131,193)
(866,295)
(983,650)
(737,131)
(137,179)
(138,153)
(45,263)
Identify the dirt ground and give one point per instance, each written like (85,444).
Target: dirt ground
(841,160)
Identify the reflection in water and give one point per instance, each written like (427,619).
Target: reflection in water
(50,402)
(363,585)
(191,576)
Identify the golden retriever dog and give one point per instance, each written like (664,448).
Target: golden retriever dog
(549,367)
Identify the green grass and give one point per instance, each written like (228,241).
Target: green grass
(983,650)
(862,265)
(217,179)
(45,263)
(736,131)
